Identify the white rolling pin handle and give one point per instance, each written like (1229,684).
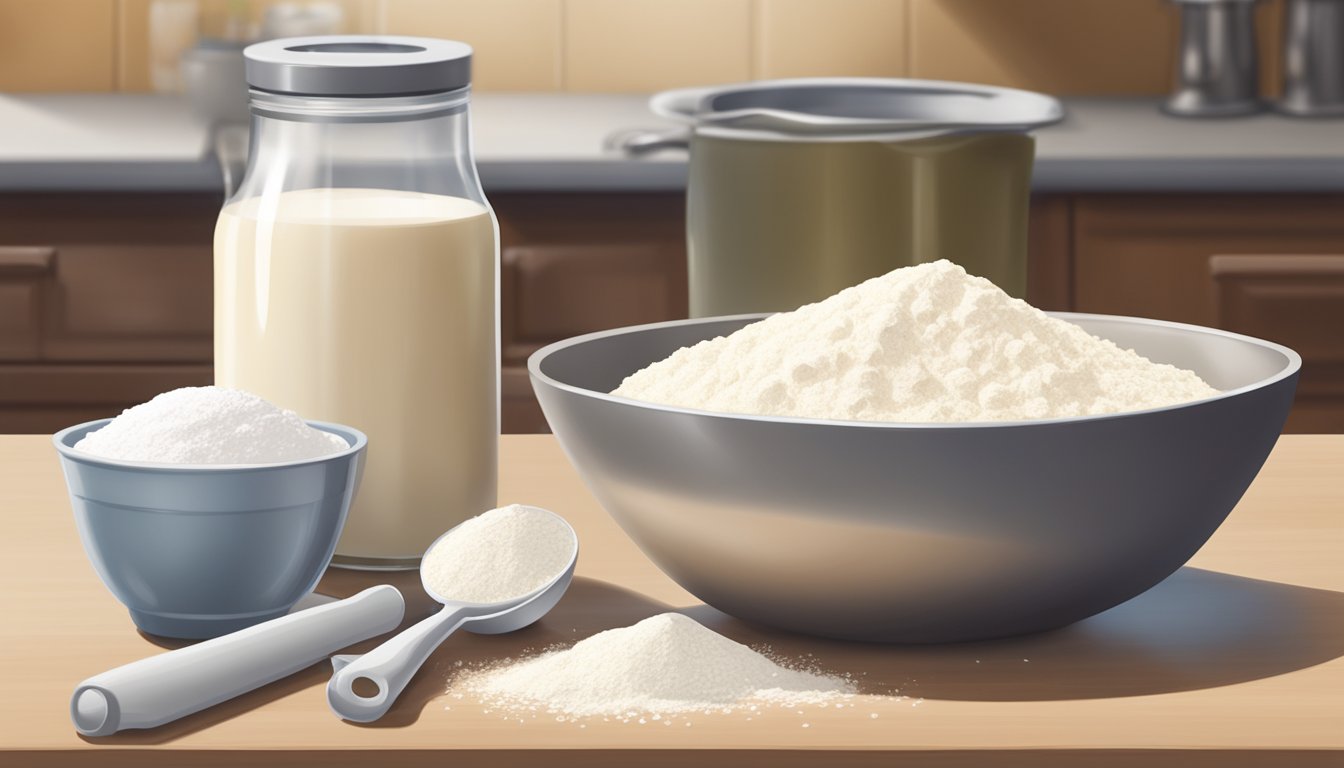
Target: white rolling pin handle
(163,688)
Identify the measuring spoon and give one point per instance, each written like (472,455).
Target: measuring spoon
(390,666)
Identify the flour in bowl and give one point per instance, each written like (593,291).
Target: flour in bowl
(499,555)
(927,343)
(209,425)
(667,663)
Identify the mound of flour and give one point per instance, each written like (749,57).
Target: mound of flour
(499,555)
(209,425)
(664,664)
(927,343)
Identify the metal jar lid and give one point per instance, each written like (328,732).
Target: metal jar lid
(358,65)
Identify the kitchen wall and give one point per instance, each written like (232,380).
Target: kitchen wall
(1067,47)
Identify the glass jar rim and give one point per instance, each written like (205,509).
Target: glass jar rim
(357,109)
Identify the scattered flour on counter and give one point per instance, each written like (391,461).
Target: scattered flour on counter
(927,343)
(209,425)
(499,555)
(666,664)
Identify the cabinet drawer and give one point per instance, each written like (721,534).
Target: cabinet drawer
(146,303)
(1221,260)
(1297,301)
(1148,255)
(124,278)
(576,263)
(552,292)
(97,303)
(46,398)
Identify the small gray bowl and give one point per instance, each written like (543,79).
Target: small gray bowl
(198,551)
(918,532)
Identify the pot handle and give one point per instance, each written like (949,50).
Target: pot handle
(682,104)
(637,142)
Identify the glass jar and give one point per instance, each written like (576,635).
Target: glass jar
(356,276)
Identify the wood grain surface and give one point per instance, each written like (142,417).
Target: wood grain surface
(1235,660)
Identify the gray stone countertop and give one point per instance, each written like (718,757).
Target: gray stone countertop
(555,142)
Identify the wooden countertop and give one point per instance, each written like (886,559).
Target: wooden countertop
(1235,660)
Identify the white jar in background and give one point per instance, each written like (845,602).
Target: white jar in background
(356,276)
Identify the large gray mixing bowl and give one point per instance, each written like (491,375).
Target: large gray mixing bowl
(918,532)
(198,551)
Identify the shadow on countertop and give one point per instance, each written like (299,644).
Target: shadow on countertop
(1198,629)
(588,607)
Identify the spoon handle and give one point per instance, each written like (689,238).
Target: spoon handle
(390,667)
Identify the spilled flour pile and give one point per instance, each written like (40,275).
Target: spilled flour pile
(927,343)
(209,425)
(500,555)
(665,664)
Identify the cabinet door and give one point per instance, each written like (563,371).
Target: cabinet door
(125,278)
(129,304)
(23,273)
(1049,253)
(1203,260)
(1297,301)
(577,263)
(37,398)
(554,292)
(105,301)
(1148,255)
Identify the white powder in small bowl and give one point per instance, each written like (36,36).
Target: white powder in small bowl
(499,555)
(209,425)
(665,664)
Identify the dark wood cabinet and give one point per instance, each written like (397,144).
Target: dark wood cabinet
(105,299)
(1297,301)
(1150,255)
(22,273)
(1263,265)
(574,264)
(1050,253)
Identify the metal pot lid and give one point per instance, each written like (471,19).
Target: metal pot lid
(855,108)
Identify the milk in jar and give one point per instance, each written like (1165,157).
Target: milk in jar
(356,277)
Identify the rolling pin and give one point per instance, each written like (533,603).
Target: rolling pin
(163,688)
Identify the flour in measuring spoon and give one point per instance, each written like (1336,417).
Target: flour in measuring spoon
(500,555)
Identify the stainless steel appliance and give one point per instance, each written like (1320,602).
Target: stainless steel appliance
(1216,74)
(1313,58)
